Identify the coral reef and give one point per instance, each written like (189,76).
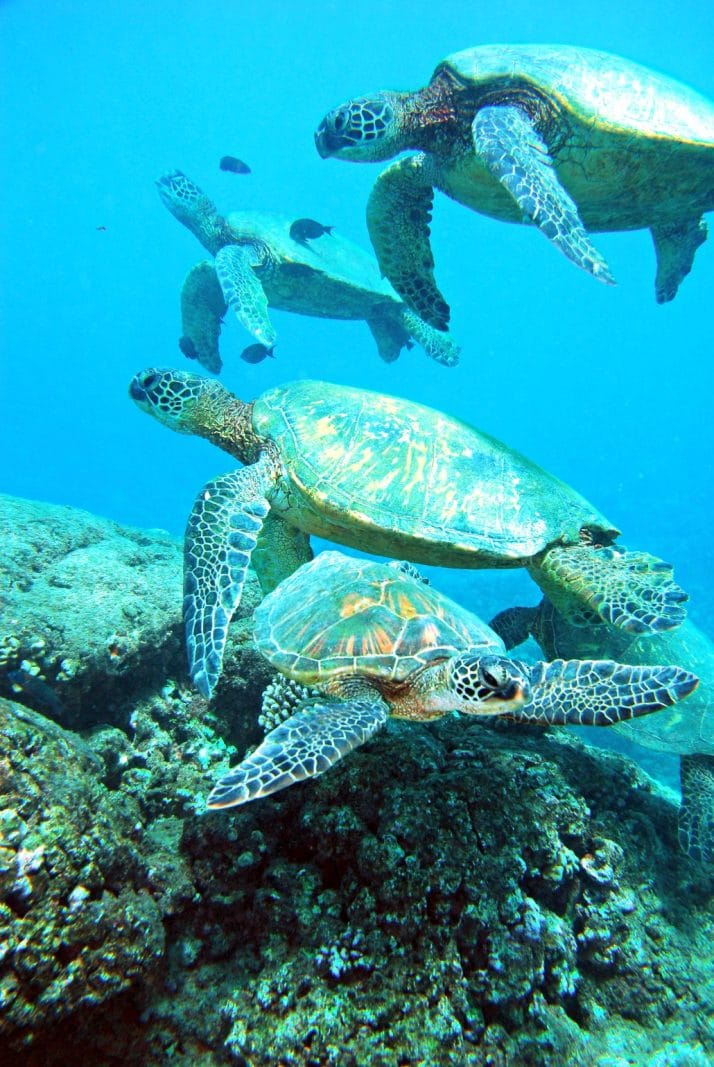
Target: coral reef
(457,894)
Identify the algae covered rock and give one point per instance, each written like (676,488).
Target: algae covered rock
(91,613)
(77,924)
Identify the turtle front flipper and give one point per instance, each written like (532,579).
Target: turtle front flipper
(220,537)
(202,311)
(632,591)
(696,814)
(243,292)
(438,344)
(509,145)
(585,692)
(675,247)
(398,217)
(305,745)
(280,550)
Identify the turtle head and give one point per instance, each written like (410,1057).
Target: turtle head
(193,208)
(365,130)
(487,684)
(189,403)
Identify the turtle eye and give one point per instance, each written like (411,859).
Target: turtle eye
(150,380)
(341,119)
(491,678)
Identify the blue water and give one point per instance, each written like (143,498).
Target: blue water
(600,385)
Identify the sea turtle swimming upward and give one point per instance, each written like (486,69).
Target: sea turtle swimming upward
(376,641)
(257,264)
(570,139)
(689,732)
(385,476)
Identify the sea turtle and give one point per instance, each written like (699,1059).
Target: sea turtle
(375,641)
(568,138)
(258,264)
(390,477)
(688,732)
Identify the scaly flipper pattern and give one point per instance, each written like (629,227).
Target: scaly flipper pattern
(202,311)
(696,814)
(220,537)
(675,246)
(507,142)
(398,217)
(631,590)
(436,343)
(305,745)
(243,292)
(600,692)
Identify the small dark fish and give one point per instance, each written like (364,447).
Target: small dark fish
(257,353)
(234,165)
(188,348)
(37,690)
(304,230)
(102,228)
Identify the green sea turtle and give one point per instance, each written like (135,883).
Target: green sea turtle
(376,641)
(568,138)
(390,477)
(687,732)
(258,264)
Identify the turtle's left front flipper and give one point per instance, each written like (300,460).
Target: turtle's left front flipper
(202,311)
(509,145)
(243,292)
(696,814)
(633,591)
(220,537)
(600,692)
(398,217)
(305,745)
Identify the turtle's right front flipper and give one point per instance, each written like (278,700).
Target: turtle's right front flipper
(398,217)
(600,692)
(220,537)
(305,745)
(633,591)
(243,291)
(439,344)
(202,311)
(509,145)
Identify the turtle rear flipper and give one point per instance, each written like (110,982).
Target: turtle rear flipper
(696,814)
(202,311)
(675,247)
(305,745)
(220,537)
(514,625)
(600,692)
(398,216)
(633,591)
(243,291)
(390,336)
(508,143)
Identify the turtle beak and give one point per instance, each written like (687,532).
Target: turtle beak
(325,142)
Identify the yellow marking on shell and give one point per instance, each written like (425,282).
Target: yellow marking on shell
(334,453)
(325,427)
(354,606)
(383,483)
(406,607)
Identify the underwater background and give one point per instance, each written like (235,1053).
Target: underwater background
(600,385)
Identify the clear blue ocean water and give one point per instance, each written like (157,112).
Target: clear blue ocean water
(600,385)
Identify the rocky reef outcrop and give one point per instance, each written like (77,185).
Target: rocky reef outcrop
(450,894)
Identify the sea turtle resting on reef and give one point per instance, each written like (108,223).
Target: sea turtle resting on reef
(386,476)
(257,264)
(570,139)
(377,641)
(687,733)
